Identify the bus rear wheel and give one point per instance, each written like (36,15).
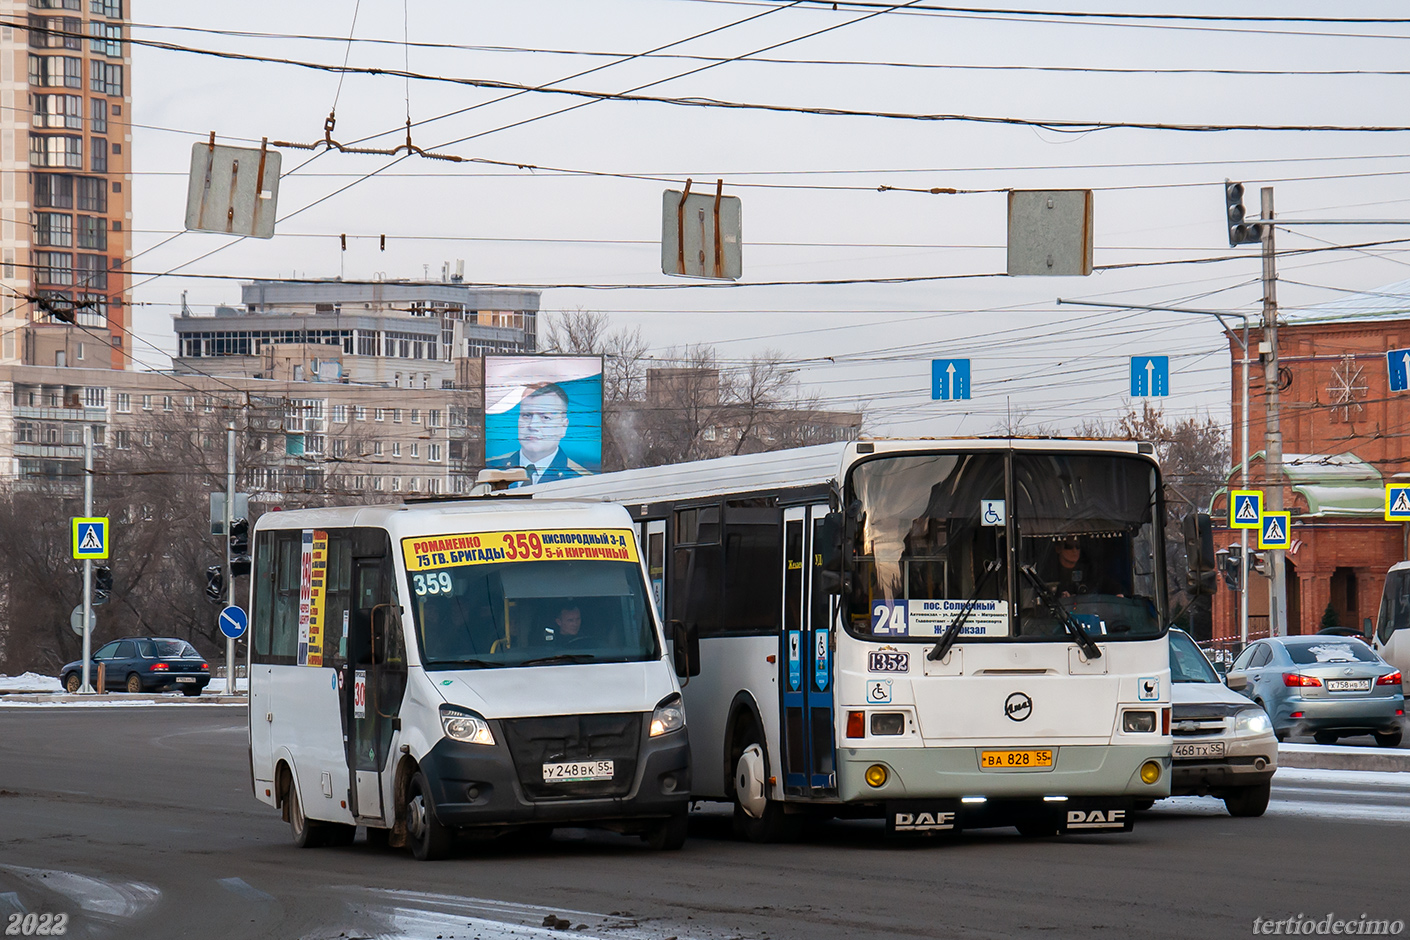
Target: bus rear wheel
(429,840)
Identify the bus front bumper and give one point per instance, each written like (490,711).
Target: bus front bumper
(476,785)
(943,772)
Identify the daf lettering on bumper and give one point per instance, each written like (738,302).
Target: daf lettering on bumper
(924,822)
(1096,819)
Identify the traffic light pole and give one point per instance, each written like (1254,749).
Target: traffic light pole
(229,571)
(1273,445)
(87,562)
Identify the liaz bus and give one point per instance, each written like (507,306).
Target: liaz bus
(475,666)
(944,634)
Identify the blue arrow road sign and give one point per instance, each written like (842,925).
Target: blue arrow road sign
(1398,360)
(234,622)
(949,379)
(1150,376)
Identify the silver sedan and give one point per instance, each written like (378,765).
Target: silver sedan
(1326,686)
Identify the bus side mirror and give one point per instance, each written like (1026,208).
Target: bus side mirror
(828,542)
(1200,570)
(685,649)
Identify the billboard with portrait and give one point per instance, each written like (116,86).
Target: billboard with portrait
(544,413)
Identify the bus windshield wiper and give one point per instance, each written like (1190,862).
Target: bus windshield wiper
(559,658)
(473,663)
(952,632)
(1069,622)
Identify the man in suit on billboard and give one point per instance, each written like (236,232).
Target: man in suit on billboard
(543,421)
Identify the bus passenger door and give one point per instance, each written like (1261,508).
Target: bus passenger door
(376,667)
(806,668)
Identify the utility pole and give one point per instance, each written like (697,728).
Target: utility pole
(87,562)
(1273,446)
(229,569)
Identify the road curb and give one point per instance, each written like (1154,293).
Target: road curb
(125,698)
(1320,757)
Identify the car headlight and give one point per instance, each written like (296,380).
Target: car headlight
(1252,721)
(464,725)
(669,716)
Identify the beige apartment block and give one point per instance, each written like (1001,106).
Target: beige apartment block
(65,182)
(362,441)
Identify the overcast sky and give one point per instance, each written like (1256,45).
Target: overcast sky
(809,183)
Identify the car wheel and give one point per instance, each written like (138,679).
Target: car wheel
(750,770)
(668,835)
(307,834)
(1389,738)
(1248,801)
(72,683)
(134,683)
(1325,737)
(429,840)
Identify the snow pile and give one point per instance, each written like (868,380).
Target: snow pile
(30,682)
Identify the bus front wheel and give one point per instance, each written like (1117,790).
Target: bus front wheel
(756,817)
(429,840)
(306,833)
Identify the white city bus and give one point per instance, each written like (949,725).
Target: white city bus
(448,666)
(897,629)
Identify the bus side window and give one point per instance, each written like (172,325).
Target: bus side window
(338,602)
(264,595)
(1395,605)
(284,625)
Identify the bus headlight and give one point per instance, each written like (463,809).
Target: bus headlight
(464,725)
(1252,721)
(669,716)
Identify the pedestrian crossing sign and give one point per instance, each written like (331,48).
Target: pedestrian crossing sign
(1275,530)
(90,537)
(1245,506)
(1398,503)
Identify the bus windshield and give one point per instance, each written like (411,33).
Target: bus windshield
(1019,544)
(481,607)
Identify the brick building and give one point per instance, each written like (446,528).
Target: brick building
(1345,435)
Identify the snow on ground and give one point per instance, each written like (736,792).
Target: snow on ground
(30,682)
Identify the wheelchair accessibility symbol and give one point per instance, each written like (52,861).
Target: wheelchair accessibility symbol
(991,512)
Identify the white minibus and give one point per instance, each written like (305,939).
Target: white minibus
(478,665)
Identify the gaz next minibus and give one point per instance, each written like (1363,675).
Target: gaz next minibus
(945,634)
(477,665)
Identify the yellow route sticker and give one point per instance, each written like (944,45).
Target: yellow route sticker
(485,548)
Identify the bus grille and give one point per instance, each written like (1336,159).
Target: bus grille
(536,741)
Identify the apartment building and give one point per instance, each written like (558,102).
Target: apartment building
(65,182)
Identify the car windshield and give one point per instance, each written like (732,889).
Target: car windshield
(931,532)
(1331,650)
(166,649)
(479,607)
(1187,663)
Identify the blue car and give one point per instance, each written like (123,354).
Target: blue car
(1325,686)
(143,664)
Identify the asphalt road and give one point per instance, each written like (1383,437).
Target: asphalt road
(139,822)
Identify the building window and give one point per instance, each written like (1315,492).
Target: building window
(105,78)
(396,416)
(52,191)
(415,485)
(58,111)
(340,447)
(377,484)
(56,71)
(95,397)
(433,486)
(98,154)
(93,271)
(53,267)
(379,414)
(167,403)
(98,110)
(92,233)
(376,448)
(107,40)
(55,32)
(340,414)
(53,229)
(92,194)
(60,150)
(112,9)
(359,413)
(396,448)
(416,416)
(433,453)
(122,440)
(122,402)
(415,451)
(433,418)
(396,484)
(56,4)
(146,402)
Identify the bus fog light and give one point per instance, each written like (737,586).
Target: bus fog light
(1150,771)
(888,723)
(1138,722)
(876,775)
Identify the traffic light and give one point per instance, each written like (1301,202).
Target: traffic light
(239,566)
(1240,232)
(1258,561)
(1200,573)
(215,584)
(102,584)
(1231,566)
(239,537)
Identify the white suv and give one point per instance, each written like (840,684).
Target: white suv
(1224,744)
